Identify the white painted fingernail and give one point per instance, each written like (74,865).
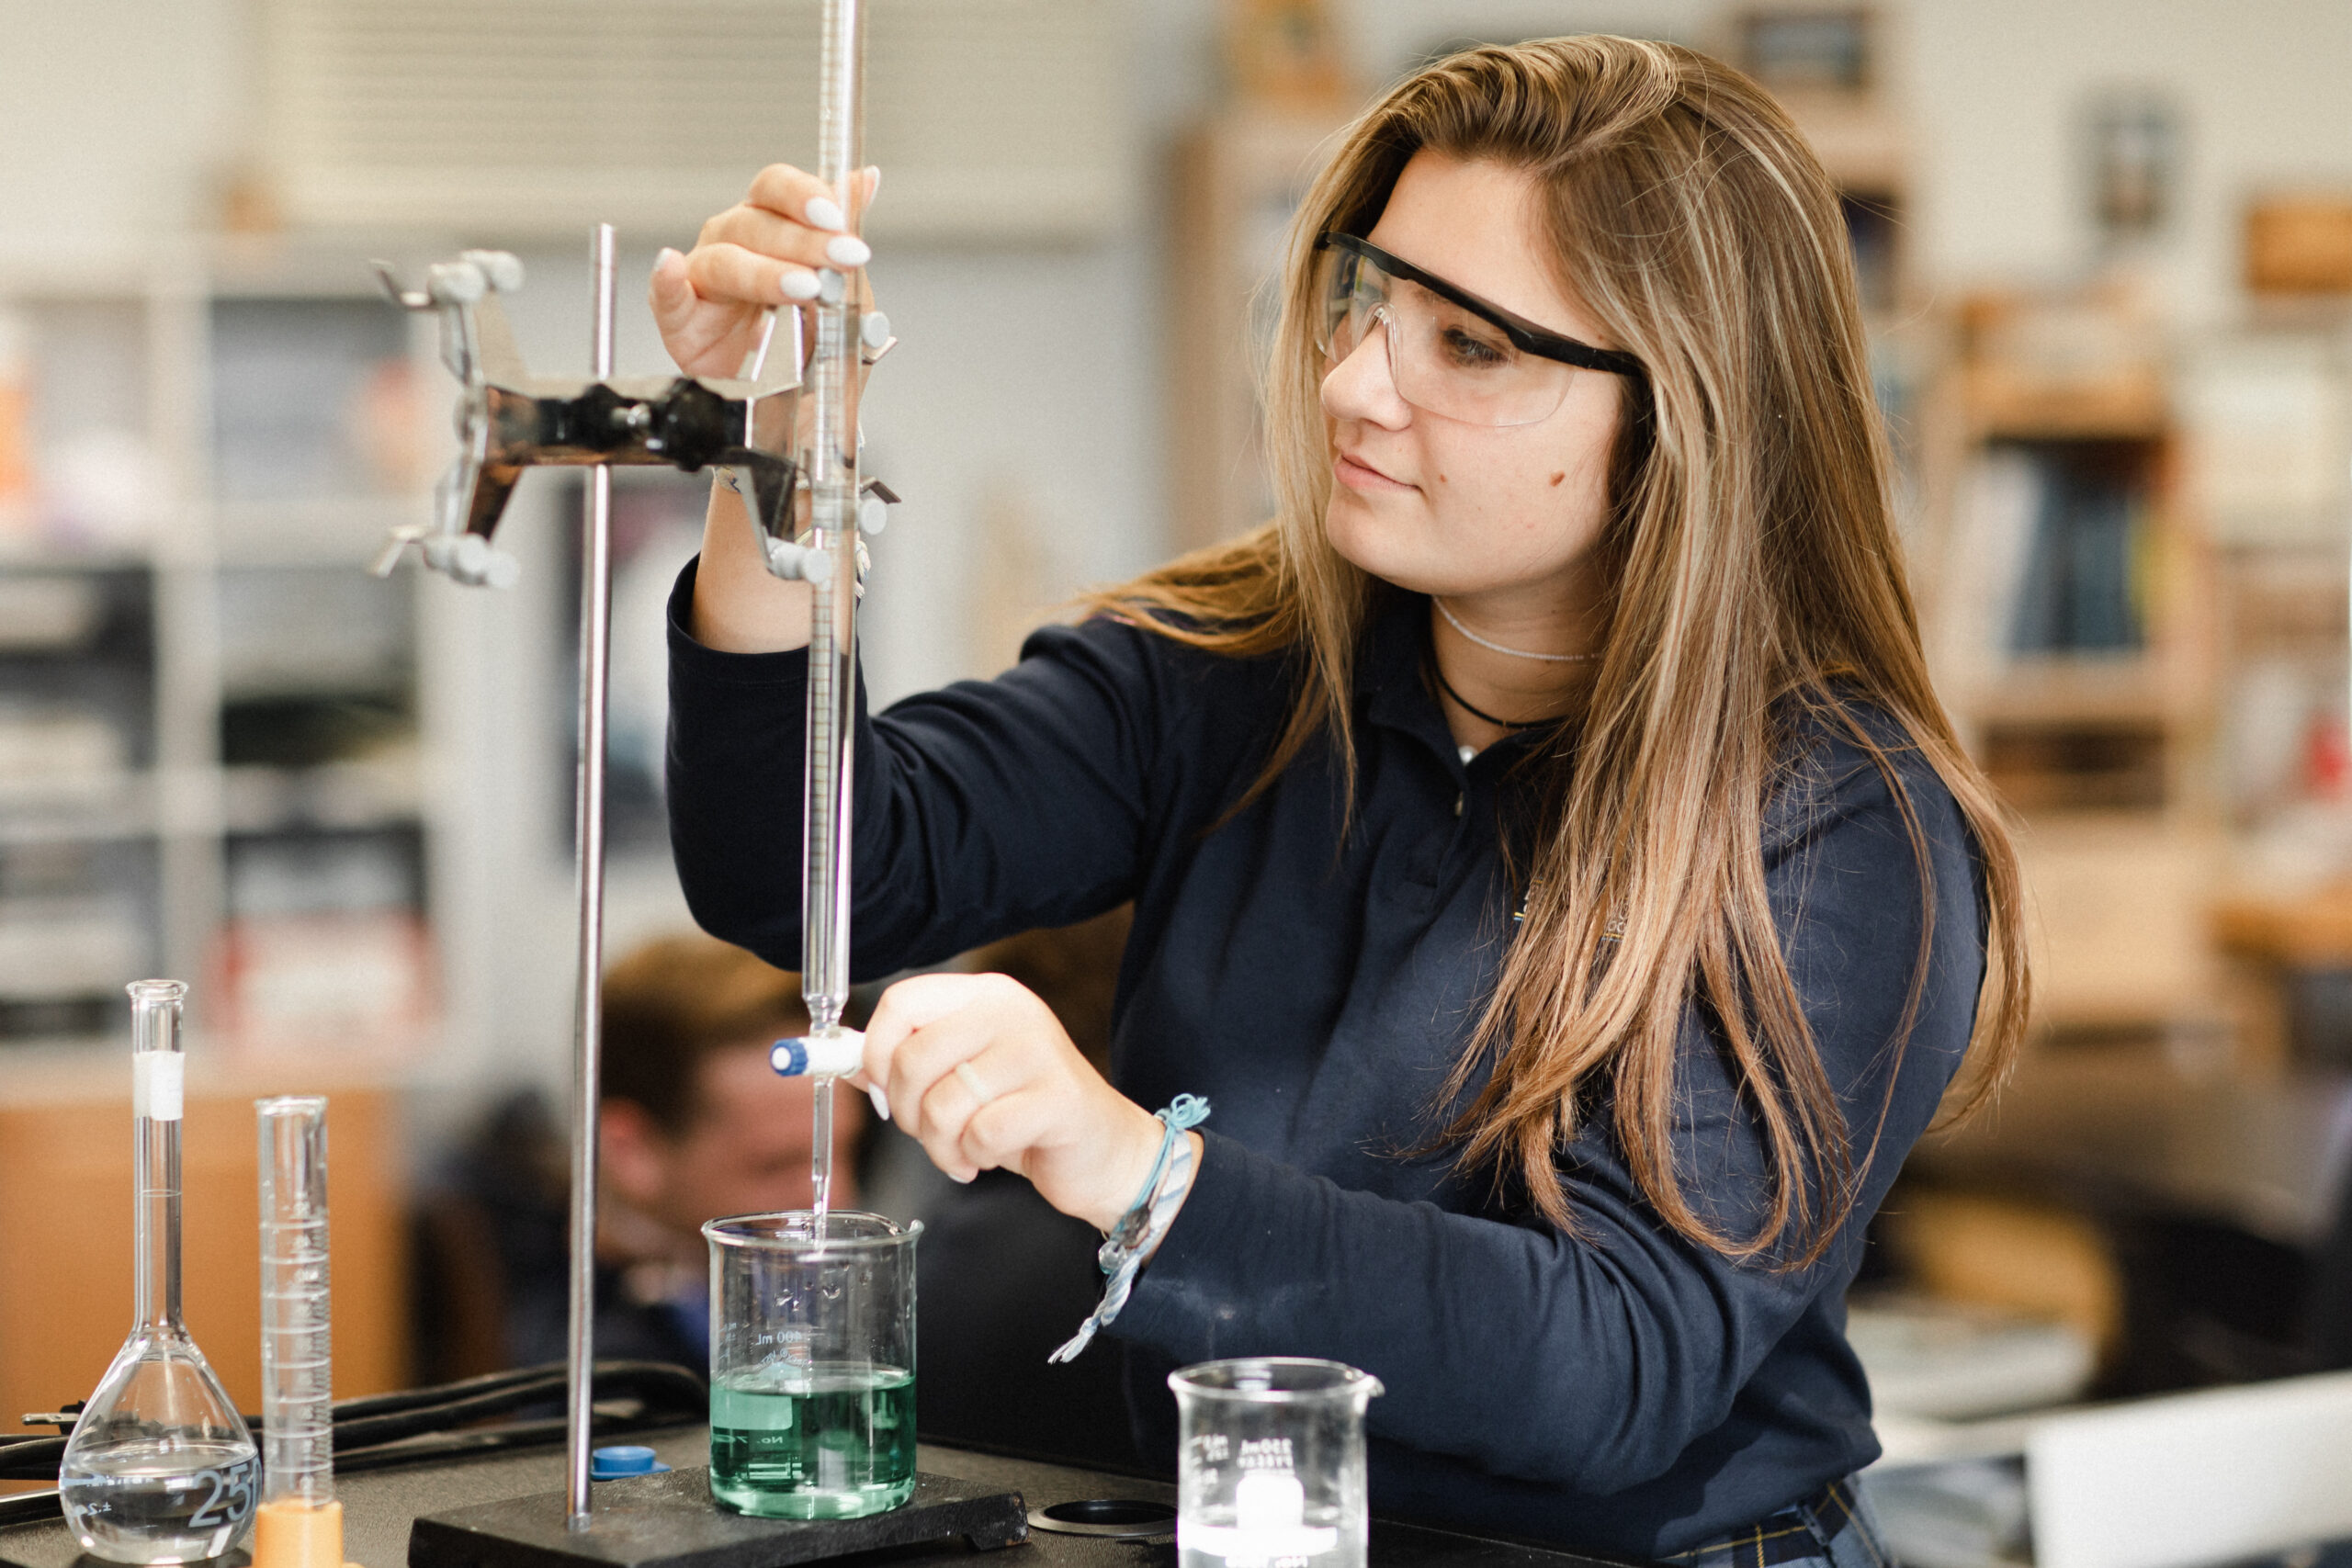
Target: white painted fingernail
(881,1101)
(799,284)
(873,180)
(668,255)
(824,212)
(964,1180)
(848,251)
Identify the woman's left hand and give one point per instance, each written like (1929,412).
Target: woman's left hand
(980,1071)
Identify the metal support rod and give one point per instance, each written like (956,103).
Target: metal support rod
(596,636)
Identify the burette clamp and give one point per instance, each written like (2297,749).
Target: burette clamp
(874,339)
(509,420)
(792,556)
(797,562)
(874,500)
(798,559)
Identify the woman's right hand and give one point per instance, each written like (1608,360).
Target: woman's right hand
(760,253)
(979,1070)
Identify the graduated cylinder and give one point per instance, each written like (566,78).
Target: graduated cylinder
(299,1524)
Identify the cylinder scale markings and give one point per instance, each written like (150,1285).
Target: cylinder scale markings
(297,1344)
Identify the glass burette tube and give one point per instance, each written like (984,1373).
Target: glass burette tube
(299,1524)
(832,469)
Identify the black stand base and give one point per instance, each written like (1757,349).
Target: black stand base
(669,1521)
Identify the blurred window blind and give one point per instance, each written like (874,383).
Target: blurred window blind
(992,119)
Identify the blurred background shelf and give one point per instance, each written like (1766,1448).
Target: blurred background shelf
(110,804)
(192,668)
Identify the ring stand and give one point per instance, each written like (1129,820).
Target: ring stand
(509,420)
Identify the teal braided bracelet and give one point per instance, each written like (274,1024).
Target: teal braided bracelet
(1141,1228)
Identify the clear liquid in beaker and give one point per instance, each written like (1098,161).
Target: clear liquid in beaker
(161,1501)
(833,1441)
(1270,1524)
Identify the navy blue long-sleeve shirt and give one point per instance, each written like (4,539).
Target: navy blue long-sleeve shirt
(1619,1388)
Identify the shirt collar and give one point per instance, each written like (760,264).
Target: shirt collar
(1392,685)
(1391,682)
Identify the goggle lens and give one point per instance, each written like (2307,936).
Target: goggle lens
(1442,358)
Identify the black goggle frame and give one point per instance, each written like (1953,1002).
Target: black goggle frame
(1524,334)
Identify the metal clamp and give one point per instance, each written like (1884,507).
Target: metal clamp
(509,420)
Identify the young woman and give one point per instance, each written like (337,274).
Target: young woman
(1548,855)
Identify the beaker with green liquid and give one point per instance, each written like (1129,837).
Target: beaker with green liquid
(812,1364)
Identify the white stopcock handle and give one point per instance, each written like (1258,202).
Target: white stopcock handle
(833,1053)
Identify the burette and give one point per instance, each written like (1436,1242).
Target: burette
(838,508)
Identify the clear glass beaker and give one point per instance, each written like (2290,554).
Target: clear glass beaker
(160,1468)
(812,1364)
(1270,1463)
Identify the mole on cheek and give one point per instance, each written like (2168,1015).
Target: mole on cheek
(1441,479)
(1558,477)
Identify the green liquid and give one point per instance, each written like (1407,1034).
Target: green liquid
(836,1441)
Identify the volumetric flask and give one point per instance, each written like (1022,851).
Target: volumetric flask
(812,1365)
(160,1467)
(1270,1463)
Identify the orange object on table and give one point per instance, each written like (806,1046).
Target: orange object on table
(293,1533)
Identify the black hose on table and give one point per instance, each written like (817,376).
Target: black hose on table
(378,1430)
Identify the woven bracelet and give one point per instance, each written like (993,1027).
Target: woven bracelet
(1145,1225)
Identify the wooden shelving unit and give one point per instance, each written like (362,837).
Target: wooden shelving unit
(2072,629)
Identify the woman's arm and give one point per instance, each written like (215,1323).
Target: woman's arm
(982,809)
(1593,1359)
(739,605)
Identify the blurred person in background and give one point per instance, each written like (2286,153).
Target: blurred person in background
(693,1124)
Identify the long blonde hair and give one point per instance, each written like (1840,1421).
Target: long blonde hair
(1757,579)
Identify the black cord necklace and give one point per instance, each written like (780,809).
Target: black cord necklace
(1460,702)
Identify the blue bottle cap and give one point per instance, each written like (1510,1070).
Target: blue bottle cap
(616,1460)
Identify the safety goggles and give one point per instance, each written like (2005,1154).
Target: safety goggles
(1450,353)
